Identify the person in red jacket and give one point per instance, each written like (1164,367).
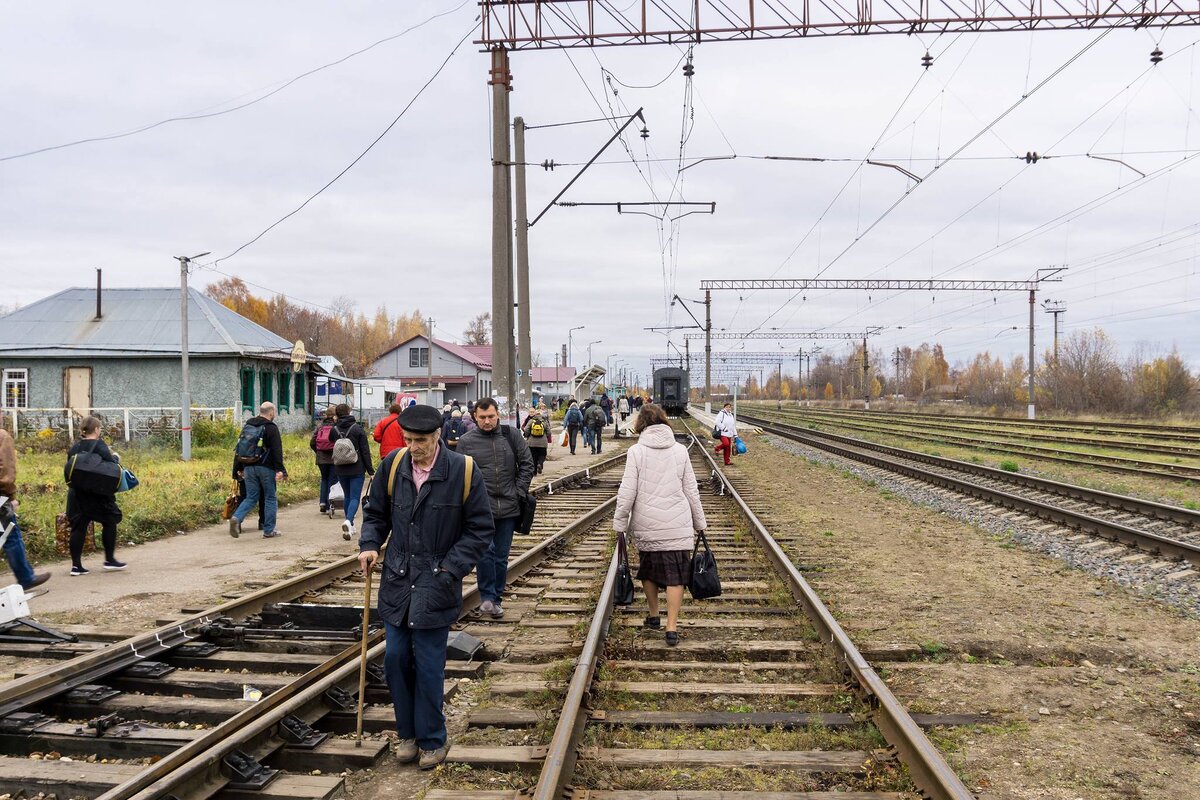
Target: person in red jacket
(388,432)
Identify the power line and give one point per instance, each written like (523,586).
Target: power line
(360,156)
(201,115)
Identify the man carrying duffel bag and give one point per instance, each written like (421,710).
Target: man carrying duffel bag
(88,499)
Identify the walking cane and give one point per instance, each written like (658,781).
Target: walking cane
(362,672)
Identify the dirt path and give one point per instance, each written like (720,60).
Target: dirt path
(1096,691)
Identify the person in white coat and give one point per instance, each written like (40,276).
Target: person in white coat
(726,426)
(658,505)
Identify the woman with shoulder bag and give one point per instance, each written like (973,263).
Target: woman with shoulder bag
(84,507)
(658,504)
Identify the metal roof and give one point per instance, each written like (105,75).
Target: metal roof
(134,322)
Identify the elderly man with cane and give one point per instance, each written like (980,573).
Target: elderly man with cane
(434,506)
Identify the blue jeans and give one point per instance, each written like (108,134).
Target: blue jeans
(415,665)
(14,551)
(588,434)
(260,482)
(352,488)
(326,471)
(493,567)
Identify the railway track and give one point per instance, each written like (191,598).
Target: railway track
(1140,430)
(977,438)
(251,699)
(1158,528)
(764,697)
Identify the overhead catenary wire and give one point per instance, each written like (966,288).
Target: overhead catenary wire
(206,114)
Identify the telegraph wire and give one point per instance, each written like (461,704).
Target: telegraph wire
(202,115)
(360,156)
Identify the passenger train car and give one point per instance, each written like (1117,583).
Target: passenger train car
(671,389)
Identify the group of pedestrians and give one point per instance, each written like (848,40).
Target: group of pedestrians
(591,419)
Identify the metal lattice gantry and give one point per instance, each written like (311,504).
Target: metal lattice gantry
(774,334)
(558,24)
(928,285)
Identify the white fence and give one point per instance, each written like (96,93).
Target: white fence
(124,423)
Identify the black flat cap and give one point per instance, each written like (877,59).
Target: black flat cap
(421,419)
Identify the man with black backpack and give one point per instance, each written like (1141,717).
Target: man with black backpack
(507,466)
(258,460)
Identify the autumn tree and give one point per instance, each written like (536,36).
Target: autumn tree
(829,391)
(479,330)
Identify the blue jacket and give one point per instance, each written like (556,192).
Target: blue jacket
(435,540)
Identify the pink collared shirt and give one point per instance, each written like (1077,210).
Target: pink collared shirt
(421,474)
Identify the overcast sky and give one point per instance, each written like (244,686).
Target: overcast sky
(409,225)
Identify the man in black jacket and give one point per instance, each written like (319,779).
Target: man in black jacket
(260,464)
(504,459)
(439,527)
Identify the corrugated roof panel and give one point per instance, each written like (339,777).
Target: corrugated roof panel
(134,322)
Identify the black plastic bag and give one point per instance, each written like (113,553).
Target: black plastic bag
(703,580)
(623,593)
(527,507)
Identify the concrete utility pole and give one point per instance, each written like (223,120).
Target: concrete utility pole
(502,290)
(866,376)
(1057,308)
(429,396)
(185,395)
(524,347)
(1032,414)
(707,352)
(687,356)
(896,388)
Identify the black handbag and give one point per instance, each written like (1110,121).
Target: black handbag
(88,472)
(623,593)
(703,580)
(716,432)
(526,509)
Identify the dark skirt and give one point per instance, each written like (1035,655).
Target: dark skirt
(664,567)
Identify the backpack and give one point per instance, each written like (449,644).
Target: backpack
(537,428)
(324,438)
(391,481)
(574,416)
(455,431)
(345,452)
(249,449)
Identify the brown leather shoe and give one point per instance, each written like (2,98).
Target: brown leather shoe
(406,750)
(39,579)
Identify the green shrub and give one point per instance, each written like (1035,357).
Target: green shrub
(1010,466)
(221,432)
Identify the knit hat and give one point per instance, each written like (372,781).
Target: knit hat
(455,414)
(446,407)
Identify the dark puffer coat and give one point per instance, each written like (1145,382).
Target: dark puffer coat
(435,540)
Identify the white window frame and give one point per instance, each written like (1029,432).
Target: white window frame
(418,352)
(14,377)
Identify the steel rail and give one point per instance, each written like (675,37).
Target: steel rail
(1144,540)
(929,771)
(1120,502)
(975,426)
(1133,428)
(1077,458)
(563,751)
(87,668)
(199,762)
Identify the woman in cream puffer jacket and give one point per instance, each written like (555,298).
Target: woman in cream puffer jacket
(659,506)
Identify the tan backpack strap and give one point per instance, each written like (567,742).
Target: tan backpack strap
(392,473)
(467,478)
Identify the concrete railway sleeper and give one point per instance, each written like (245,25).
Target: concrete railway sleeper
(764,697)
(1158,528)
(250,699)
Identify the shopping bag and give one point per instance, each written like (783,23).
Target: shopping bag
(564,440)
(232,501)
(740,446)
(526,509)
(623,593)
(128,481)
(703,580)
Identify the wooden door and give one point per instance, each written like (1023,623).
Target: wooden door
(77,389)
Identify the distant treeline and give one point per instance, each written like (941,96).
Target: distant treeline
(1088,376)
(353,338)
